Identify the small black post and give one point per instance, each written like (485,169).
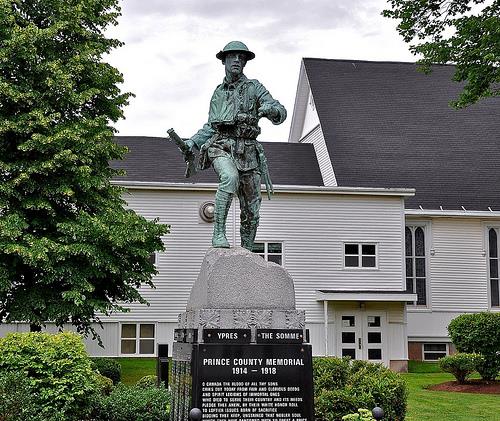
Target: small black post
(195,414)
(378,413)
(162,364)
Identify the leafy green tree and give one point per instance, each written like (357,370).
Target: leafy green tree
(69,248)
(456,32)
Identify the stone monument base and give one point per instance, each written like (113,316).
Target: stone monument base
(241,349)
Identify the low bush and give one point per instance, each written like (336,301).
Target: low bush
(109,368)
(342,386)
(148,381)
(104,385)
(135,403)
(330,373)
(461,365)
(488,366)
(479,333)
(58,372)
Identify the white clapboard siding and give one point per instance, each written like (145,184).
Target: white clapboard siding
(316,137)
(458,270)
(311,119)
(313,228)
(186,244)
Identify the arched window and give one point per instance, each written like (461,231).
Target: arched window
(416,272)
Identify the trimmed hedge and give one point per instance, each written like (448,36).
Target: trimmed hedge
(479,333)
(58,372)
(342,386)
(109,368)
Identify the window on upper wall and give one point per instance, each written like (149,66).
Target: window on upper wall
(272,252)
(137,339)
(416,255)
(434,351)
(493,263)
(360,255)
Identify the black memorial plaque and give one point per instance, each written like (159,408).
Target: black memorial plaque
(253,382)
(280,336)
(227,336)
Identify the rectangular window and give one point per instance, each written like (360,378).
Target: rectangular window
(493,263)
(137,338)
(272,252)
(360,255)
(433,352)
(416,258)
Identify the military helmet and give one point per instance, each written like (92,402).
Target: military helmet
(235,46)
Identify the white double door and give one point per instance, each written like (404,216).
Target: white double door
(362,335)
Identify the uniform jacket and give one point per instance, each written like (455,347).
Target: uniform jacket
(232,125)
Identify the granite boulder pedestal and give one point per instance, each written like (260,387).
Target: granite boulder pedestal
(241,346)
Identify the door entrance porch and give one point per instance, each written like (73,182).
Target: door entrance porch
(366,325)
(362,335)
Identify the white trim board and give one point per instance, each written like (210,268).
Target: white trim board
(365,296)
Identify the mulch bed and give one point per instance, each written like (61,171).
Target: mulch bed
(472,386)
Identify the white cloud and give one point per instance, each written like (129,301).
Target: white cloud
(169,61)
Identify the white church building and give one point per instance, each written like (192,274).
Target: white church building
(386,214)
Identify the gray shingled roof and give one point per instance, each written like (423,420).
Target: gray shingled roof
(155,159)
(387,125)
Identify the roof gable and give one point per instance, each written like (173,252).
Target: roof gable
(388,125)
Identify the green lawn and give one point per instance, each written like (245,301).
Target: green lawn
(135,368)
(428,405)
(423,404)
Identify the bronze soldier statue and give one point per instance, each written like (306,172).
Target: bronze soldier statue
(228,142)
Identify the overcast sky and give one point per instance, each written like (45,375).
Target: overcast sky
(168,60)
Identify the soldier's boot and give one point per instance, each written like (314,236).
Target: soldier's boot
(247,233)
(222,204)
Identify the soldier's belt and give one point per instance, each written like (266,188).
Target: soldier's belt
(239,131)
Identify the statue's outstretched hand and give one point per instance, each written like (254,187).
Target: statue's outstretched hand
(268,111)
(190,144)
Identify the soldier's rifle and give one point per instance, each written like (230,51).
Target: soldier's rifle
(264,171)
(189,156)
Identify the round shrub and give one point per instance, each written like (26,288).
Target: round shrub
(461,365)
(345,386)
(104,384)
(479,333)
(57,368)
(134,403)
(108,367)
(385,388)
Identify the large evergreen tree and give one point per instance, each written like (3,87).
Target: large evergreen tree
(69,249)
(461,32)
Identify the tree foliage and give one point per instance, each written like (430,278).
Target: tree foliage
(451,31)
(69,248)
